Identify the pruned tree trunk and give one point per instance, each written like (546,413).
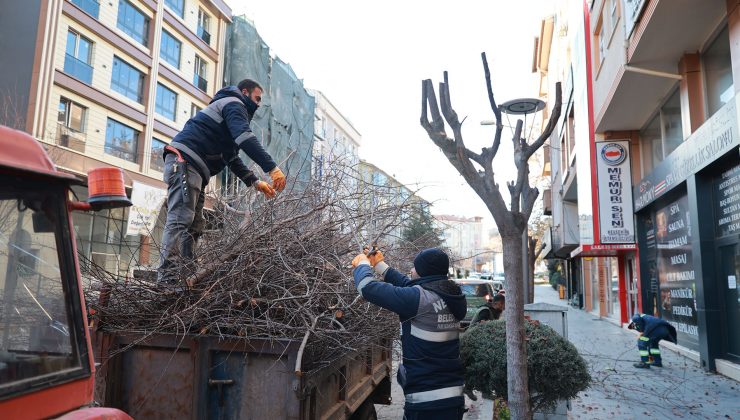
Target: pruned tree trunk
(511,220)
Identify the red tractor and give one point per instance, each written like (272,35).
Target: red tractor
(46,361)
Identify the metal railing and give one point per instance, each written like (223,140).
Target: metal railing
(78,69)
(92,7)
(200,83)
(204,35)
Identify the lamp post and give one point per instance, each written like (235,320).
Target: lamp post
(522,106)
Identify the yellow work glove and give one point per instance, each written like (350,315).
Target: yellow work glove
(375,258)
(278,179)
(360,259)
(264,188)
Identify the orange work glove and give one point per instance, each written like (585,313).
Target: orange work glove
(360,259)
(278,179)
(375,258)
(264,188)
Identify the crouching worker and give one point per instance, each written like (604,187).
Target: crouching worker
(430,308)
(652,330)
(491,310)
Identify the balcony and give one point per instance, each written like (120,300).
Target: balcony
(204,35)
(91,7)
(78,69)
(200,83)
(666,31)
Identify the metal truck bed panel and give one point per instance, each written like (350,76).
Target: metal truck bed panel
(201,377)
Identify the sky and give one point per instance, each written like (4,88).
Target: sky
(369,59)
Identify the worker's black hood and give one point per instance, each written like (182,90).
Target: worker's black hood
(448,290)
(233,91)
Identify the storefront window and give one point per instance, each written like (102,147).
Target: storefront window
(718,73)
(670,276)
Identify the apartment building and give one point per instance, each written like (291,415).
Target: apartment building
(464,237)
(111,83)
(663,83)
(336,139)
(660,158)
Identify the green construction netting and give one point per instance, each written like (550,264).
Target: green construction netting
(284,122)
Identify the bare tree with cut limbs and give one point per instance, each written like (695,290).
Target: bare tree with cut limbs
(477,169)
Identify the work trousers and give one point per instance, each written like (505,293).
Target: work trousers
(451,413)
(185,198)
(649,347)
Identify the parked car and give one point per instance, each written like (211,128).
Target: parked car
(477,293)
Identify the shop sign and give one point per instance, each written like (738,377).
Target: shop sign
(727,202)
(713,139)
(632,11)
(616,221)
(142,215)
(671,276)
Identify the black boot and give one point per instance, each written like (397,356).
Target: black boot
(642,365)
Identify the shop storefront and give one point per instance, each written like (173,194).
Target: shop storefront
(688,230)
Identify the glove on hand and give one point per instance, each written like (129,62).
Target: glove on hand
(264,188)
(360,259)
(375,257)
(278,179)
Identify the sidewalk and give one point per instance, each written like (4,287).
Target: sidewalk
(619,391)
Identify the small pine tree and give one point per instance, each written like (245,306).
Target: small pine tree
(420,230)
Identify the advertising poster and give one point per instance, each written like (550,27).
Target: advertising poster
(676,275)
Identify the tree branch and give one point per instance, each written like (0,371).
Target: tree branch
(554,117)
(494,107)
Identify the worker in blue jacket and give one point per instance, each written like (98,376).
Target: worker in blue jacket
(652,330)
(209,142)
(430,308)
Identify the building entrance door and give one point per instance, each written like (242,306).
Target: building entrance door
(728,287)
(631,286)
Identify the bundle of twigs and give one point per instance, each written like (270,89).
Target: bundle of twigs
(272,269)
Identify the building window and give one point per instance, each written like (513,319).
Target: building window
(121,141)
(663,134)
(203,26)
(718,73)
(652,145)
(670,121)
(72,115)
(78,57)
(166,102)
(127,80)
(133,22)
(91,7)
(194,110)
(199,79)
(177,6)
(170,48)
(156,161)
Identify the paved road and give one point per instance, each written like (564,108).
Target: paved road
(619,391)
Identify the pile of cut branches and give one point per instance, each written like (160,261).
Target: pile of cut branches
(276,269)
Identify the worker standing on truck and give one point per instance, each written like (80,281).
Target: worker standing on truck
(430,307)
(210,141)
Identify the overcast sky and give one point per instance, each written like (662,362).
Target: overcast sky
(369,59)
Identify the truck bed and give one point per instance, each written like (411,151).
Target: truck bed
(163,376)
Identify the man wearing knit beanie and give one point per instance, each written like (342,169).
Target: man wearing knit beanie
(430,308)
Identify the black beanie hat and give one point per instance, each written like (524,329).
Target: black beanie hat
(432,261)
